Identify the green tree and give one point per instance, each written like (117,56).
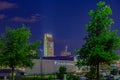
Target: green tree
(61,72)
(101,42)
(16,50)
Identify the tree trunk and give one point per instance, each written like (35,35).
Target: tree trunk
(12,73)
(98,71)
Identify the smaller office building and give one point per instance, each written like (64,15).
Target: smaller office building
(6,73)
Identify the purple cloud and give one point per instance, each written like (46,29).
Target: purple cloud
(30,19)
(6,5)
(2,16)
(21,19)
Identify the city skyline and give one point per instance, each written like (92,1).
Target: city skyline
(64,19)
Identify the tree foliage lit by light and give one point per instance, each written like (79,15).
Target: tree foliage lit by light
(102,43)
(15,49)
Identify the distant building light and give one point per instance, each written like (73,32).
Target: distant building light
(49,35)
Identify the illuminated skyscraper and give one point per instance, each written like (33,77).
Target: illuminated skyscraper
(48,45)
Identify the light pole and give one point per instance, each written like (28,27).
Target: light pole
(41,62)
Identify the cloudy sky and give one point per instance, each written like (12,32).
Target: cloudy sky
(65,19)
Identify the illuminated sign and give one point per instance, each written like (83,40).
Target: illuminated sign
(62,63)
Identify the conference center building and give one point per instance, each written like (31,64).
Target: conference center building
(49,65)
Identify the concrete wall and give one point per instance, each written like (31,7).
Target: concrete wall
(49,66)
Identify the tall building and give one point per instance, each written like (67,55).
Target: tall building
(48,45)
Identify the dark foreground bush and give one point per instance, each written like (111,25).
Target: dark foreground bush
(61,72)
(50,77)
(72,76)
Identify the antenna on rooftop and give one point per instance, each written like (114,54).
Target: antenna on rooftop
(66,48)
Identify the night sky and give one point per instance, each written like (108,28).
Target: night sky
(65,19)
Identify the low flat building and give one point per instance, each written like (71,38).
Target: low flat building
(49,65)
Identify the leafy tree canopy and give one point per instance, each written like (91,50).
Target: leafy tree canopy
(15,48)
(101,42)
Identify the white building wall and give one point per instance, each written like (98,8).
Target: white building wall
(50,66)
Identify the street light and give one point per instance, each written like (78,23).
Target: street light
(41,61)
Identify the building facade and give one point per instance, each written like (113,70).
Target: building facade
(48,45)
(50,66)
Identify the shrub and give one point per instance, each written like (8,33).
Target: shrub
(61,72)
(72,76)
(114,72)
